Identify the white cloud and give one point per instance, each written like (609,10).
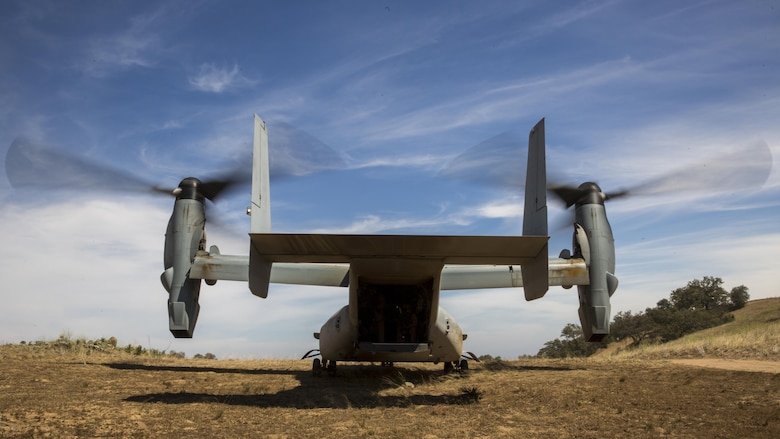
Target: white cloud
(501,322)
(504,207)
(91,267)
(79,264)
(501,209)
(171,125)
(429,161)
(213,79)
(376,224)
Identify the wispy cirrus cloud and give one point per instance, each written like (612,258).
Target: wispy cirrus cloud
(503,101)
(503,208)
(213,79)
(577,13)
(424,161)
(133,46)
(369,224)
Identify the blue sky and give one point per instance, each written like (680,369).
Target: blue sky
(394,91)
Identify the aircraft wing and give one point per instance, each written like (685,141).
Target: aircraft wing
(471,262)
(561,272)
(214,266)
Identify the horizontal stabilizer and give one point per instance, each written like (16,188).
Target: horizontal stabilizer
(487,250)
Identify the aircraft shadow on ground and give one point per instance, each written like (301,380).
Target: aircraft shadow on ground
(354,386)
(199,369)
(302,398)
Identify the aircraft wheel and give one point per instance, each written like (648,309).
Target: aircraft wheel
(331,368)
(387,364)
(316,367)
(448,367)
(464,365)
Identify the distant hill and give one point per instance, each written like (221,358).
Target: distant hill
(754,334)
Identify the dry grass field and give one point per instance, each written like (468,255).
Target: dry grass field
(55,390)
(753,334)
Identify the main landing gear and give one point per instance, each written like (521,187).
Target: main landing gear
(452,366)
(318,366)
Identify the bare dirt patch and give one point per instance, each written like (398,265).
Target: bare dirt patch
(61,394)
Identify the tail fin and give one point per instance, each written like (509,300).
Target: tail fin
(535,275)
(261,190)
(259,268)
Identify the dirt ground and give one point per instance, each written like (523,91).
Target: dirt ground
(740,365)
(64,394)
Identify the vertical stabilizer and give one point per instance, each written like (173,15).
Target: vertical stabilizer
(535,275)
(259,268)
(261,190)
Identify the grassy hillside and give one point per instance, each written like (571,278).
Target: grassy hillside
(754,334)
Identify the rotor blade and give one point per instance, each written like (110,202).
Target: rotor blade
(499,160)
(220,187)
(29,165)
(748,168)
(568,194)
(294,152)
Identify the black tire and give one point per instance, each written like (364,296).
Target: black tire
(331,368)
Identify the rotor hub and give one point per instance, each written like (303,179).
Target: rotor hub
(189,189)
(590,193)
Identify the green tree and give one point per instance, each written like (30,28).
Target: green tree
(637,327)
(671,324)
(707,294)
(571,344)
(664,304)
(701,304)
(738,297)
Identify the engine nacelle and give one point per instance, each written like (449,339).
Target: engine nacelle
(593,242)
(184,236)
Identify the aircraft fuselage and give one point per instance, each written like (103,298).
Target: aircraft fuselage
(341,340)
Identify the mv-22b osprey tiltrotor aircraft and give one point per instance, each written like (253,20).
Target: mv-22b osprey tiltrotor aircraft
(394,281)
